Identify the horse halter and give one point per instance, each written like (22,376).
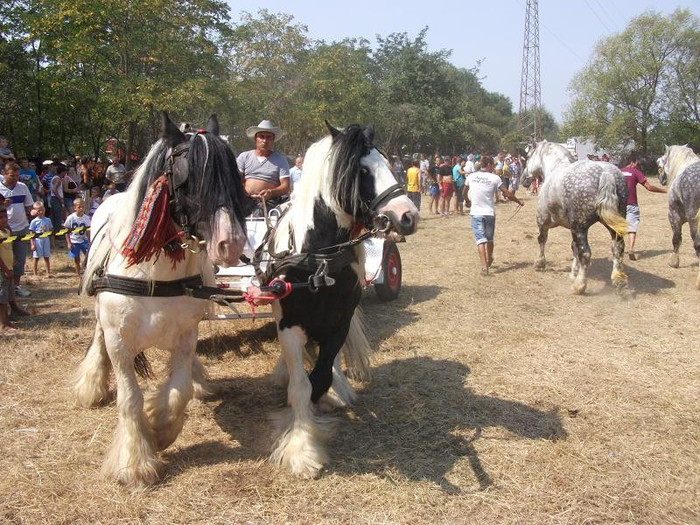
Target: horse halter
(176,179)
(393,191)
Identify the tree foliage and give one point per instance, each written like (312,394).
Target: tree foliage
(640,87)
(77,72)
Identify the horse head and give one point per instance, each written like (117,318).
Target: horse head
(208,198)
(533,163)
(675,160)
(363,184)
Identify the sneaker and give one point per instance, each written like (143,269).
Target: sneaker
(22,292)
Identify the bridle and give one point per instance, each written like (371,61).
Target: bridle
(176,179)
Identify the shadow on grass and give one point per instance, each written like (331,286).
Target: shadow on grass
(383,319)
(639,280)
(417,418)
(230,337)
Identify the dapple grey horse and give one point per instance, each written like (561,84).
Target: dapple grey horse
(576,195)
(682,167)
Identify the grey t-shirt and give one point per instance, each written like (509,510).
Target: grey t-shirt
(116,174)
(269,169)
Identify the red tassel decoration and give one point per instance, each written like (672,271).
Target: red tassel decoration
(153,229)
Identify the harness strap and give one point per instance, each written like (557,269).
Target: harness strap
(143,288)
(388,194)
(311,263)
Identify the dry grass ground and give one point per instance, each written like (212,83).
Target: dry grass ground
(503,399)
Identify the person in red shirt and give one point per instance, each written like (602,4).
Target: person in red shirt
(634,176)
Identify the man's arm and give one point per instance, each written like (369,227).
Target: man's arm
(652,188)
(510,195)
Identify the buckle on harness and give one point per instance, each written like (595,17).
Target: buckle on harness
(320,278)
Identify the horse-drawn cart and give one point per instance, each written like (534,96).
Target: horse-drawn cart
(382,267)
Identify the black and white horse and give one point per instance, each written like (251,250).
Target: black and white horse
(151,244)
(682,166)
(347,186)
(576,195)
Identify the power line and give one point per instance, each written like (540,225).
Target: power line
(601,20)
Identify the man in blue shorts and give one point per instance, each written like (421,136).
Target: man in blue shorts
(481,188)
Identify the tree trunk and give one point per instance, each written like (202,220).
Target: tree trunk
(130,138)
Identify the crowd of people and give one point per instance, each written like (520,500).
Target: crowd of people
(60,194)
(67,193)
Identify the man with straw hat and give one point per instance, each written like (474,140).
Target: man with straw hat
(265,171)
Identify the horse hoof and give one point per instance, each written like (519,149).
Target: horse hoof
(619,279)
(579,289)
(135,477)
(674,263)
(540,265)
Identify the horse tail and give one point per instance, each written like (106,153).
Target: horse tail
(143,366)
(356,349)
(608,204)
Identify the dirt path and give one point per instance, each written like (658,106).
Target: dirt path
(494,400)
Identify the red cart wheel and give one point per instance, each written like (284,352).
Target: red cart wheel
(391,267)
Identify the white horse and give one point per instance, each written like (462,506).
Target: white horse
(576,195)
(188,188)
(347,186)
(682,167)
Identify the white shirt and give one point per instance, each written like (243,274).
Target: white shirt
(21,199)
(482,190)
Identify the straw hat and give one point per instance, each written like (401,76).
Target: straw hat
(265,125)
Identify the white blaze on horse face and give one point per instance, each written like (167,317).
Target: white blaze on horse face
(401,211)
(227,240)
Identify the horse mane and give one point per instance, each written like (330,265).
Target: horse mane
(551,147)
(213,182)
(331,173)
(679,157)
(349,147)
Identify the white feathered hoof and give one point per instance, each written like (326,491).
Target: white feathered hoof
(135,467)
(579,289)
(300,447)
(674,261)
(619,279)
(540,263)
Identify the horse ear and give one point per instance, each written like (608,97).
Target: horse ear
(333,131)
(368,132)
(213,125)
(169,131)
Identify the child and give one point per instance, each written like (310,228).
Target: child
(7,282)
(111,190)
(41,247)
(77,242)
(95,200)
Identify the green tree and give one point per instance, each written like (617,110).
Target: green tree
(266,54)
(106,66)
(619,97)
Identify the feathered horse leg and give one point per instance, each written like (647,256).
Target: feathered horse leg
(132,459)
(165,407)
(91,383)
(302,434)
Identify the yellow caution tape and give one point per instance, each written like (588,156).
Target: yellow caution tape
(33,235)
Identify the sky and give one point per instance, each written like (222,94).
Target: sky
(490,31)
